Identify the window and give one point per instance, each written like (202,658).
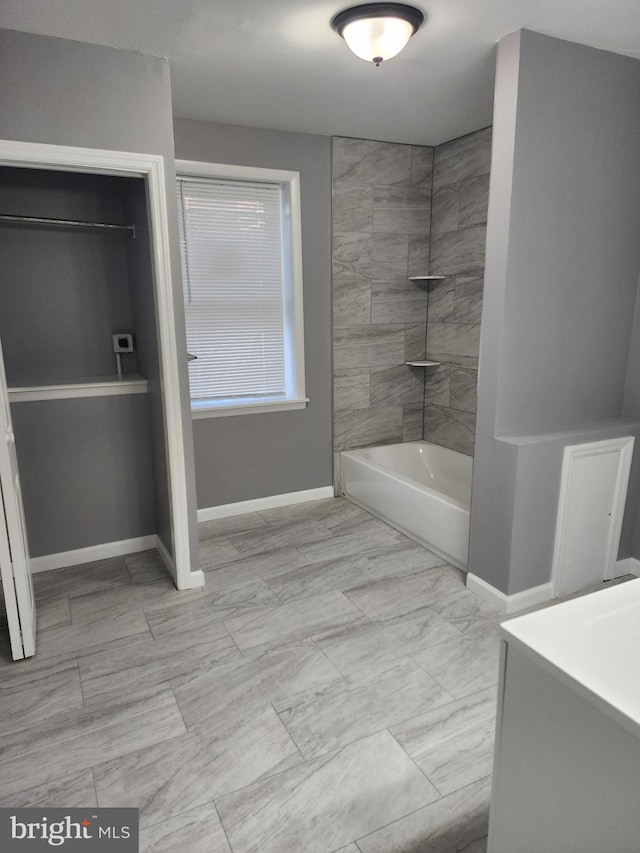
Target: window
(242,279)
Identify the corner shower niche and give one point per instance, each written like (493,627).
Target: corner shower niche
(83,434)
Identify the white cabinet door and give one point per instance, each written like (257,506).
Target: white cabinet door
(14,550)
(592,498)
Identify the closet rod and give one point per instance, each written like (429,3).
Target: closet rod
(74,223)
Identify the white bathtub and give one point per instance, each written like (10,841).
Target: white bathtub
(419,488)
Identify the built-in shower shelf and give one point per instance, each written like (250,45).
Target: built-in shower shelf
(425,280)
(423,363)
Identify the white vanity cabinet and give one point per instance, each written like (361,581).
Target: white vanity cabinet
(567,761)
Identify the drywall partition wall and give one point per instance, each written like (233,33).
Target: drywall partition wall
(71,93)
(381,214)
(458,235)
(243,457)
(560,286)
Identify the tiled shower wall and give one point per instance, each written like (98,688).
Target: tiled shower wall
(458,231)
(381,221)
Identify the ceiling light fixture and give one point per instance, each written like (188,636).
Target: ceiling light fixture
(377,31)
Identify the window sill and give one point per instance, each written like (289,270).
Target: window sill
(199,411)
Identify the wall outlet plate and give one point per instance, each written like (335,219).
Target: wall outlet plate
(122,342)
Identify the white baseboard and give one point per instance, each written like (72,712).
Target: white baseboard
(628,566)
(510,604)
(93,552)
(195,579)
(241,507)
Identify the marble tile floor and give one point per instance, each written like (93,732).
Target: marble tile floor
(332,688)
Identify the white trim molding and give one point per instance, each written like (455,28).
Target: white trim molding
(510,604)
(196,578)
(105,551)
(241,507)
(151,167)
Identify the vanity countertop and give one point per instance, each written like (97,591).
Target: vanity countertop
(592,644)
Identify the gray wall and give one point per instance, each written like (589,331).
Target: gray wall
(251,456)
(381,214)
(458,235)
(86,471)
(560,286)
(70,93)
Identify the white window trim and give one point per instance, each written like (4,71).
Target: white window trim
(198,169)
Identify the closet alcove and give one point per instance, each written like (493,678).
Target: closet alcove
(84,437)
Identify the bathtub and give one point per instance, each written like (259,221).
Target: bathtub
(421,489)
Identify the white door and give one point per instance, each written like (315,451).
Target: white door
(14,550)
(593,492)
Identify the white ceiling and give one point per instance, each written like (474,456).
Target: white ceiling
(278,64)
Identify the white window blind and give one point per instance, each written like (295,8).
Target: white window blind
(234,269)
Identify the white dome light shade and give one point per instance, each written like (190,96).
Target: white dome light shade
(377,31)
(375,39)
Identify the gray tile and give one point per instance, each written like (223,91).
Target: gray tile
(462,158)
(453,744)
(450,428)
(351,206)
(463,390)
(146,567)
(217,552)
(379,345)
(90,577)
(253,681)
(421,166)
(468,299)
(403,596)
(325,718)
(401,210)
(444,216)
(452,359)
(225,755)
(351,389)
(292,622)
(396,386)
(415,341)
(409,308)
(202,613)
(264,566)
(53,612)
(412,422)
(419,253)
(403,559)
(442,300)
(370,644)
(218,527)
(350,519)
(75,791)
(463,665)
(120,600)
(306,808)
(109,674)
(474,201)
(294,533)
(467,611)
(195,831)
(351,300)
(71,639)
(330,511)
(25,702)
(321,577)
(454,338)
(455,824)
(458,251)
(370,256)
(371,162)
(73,741)
(366,427)
(437,384)
(366,538)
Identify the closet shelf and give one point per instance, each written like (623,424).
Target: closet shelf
(65,223)
(86,386)
(423,363)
